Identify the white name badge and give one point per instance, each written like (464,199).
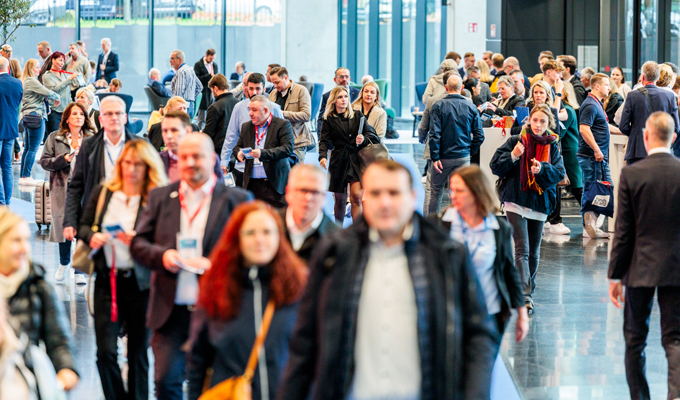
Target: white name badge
(188,246)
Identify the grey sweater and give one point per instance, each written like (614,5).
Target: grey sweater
(35,94)
(60,85)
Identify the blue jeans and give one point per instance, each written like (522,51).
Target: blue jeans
(33,138)
(436,181)
(6,149)
(592,171)
(53,121)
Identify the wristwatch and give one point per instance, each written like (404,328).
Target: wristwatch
(558,94)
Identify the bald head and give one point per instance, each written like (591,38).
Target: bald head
(454,84)
(196,159)
(4,64)
(659,130)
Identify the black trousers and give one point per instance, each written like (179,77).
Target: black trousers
(263,190)
(638,307)
(168,351)
(132,304)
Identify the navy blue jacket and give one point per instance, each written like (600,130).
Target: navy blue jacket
(159,89)
(111,67)
(635,114)
(353,95)
(453,120)
(510,187)
(10,99)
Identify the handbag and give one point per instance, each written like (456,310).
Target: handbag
(372,152)
(598,196)
(81,258)
(240,387)
(32,121)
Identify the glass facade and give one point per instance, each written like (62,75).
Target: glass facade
(144,39)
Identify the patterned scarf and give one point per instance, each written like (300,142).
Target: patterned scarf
(535,147)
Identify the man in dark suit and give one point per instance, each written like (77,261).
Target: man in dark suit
(205,69)
(342,78)
(10,99)
(265,171)
(304,219)
(107,64)
(239,73)
(173,240)
(154,82)
(219,113)
(645,254)
(639,105)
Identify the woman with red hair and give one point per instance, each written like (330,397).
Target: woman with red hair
(252,264)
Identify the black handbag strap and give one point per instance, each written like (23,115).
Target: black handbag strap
(644,91)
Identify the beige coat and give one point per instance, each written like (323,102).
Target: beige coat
(81,65)
(298,111)
(377,119)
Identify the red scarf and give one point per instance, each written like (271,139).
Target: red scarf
(535,147)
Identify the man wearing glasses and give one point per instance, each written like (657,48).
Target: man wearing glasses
(95,162)
(342,78)
(305,221)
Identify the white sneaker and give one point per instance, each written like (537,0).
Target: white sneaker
(80,279)
(559,229)
(423,179)
(600,220)
(28,181)
(590,226)
(599,234)
(546,228)
(59,276)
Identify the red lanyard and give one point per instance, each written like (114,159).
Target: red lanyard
(258,137)
(114,288)
(61,71)
(601,106)
(182,204)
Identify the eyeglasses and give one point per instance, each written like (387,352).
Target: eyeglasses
(342,76)
(113,114)
(305,192)
(130,164)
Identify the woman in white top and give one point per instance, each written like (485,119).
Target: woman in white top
(59,158)
(368,103)
(620,79)
(121,287)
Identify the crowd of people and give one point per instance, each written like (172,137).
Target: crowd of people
(207,232)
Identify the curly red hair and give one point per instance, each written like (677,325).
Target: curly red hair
(221,289)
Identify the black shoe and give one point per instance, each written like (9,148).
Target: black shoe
(391,135)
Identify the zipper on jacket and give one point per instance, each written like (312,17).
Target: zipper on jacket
(259,313)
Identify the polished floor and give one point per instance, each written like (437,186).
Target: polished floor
(574,349)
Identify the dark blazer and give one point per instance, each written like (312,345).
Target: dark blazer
(204,76)
(463,340)
(353,94)
(111,67)
(158,88)
(165,157)
(85,233)
(10,100)
(217,118)
(506,275)
(579,90)
(276,155)
(635,114)
(515,101)
(87,174)
(95,115)
(157,229)
(155,135)
(234,76)
(645,252)
(311,243)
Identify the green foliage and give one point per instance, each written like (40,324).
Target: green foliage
(12,14)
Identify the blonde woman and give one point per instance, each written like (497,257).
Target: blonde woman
(368,103)
(613,101)
(85,97)
(484,73)
(341,130)
(121,287)
(174,104)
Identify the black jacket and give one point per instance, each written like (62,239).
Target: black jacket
(515,101)
(155,135)
(507,276)
(225,345)
(87,174)
(40,314)
(463,337)
(326,227)
(579,90)
(645,252)
(353,95)
(85,233)
(345,149)
(217,119)
(204,76)
(277,153)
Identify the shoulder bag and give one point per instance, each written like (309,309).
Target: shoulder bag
(372,152)
(81,258)
(240,387)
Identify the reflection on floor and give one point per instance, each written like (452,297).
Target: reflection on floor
(574,349)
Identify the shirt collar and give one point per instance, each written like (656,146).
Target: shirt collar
(374,235)
(266,124)
(205,62)
(206,188)
(121,141)
(659,150)
(292,227)
(172,155)
(452,215)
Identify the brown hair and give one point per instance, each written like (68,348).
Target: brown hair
(219,81)
(180,115)
(116,82)
(63,125)
(598,79)
(391,166)
(210,52)
(550,65)
(279,71)
(469,54)
(479,186)
(452,55)
(497,61)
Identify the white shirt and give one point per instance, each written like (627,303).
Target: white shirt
(106,57)
(298,236)
(386,349)
(80,141)
(187,282)
(658,150)
(111,154)
(122,210)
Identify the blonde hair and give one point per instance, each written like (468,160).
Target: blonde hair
(359,100)
(8,220)
(545,109)
(155,171)
(484,73)
(28,69)
(545,86)
(613,88)
(172,103)
(332,98)
(665,76)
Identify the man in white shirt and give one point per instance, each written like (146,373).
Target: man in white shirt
(185,84)
(305,221)
(173,240)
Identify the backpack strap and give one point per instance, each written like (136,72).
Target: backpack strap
(644,91)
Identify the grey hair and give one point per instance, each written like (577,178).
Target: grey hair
(662,126)
(309,168)
(454,83)
(512,61)
(261,99)
(87,92)
(507,80)
(154,71)
(107,41)
(4,63)
(179,54)
(114,99)
(651,71)
(448,65)
(588,71)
